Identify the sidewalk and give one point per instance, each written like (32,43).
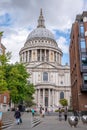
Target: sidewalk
(26,125)
(47,123)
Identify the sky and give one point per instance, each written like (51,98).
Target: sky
(19,17)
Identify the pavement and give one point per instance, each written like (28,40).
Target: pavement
(46,123)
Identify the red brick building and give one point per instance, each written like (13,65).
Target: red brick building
(78,62)
(4,101)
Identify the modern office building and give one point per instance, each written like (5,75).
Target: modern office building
(42,58)
(78,62)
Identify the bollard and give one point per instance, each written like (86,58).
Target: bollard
(0,120)
(73,121)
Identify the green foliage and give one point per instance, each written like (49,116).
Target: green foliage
(1,33)
(4,58)
(63,102)
(13,77)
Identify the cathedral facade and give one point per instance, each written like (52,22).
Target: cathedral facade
(42,58)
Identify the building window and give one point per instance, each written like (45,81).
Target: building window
(45,76)
(81,29)
(61,95)
(5,99)
(85,79)
(84,61)
(82,43)
(61,82)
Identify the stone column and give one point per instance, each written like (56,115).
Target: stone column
(43,97)
(27,56)
(56,56)
(45,55)
(53,97)
(22,57)
(39,97)
(49,98)
(40,55)
(35,55)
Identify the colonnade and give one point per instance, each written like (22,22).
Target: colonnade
(40,55)
(45,97)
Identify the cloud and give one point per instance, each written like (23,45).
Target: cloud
(62,43)
(14,42)
(19,17)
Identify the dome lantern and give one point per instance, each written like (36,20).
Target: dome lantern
(41,20)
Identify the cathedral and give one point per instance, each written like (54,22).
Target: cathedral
(42,58)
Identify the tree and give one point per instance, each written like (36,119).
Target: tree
(63,102)
(3,62)
(17,83)
(29,97)
(1,33)
(14,78)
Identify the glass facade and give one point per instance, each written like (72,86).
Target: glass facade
(81,29)
(85,79)
(82,43)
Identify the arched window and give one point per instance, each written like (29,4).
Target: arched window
(45,76)
(61,95)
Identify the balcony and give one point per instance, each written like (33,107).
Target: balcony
(84,88)
(83,61)
(83,68)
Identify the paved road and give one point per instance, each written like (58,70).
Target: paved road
(47,123)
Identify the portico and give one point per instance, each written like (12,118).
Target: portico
(45,97)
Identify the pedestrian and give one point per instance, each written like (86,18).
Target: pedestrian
(17,116)
(65,114)
(33,112)
(60,114)
(43,112)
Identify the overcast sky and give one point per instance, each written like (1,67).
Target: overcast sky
(19,17)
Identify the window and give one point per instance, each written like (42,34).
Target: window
(61,95)
(85,79)
(82,44)
(84,61)
(45,76)
(5,99)
(81,28)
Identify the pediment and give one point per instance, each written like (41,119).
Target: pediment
(45,65)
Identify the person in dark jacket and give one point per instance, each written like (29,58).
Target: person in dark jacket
(17,116)
(65,113)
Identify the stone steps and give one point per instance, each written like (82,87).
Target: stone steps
(7,119)
(36,121)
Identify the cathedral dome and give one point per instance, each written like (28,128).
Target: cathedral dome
(40,33)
